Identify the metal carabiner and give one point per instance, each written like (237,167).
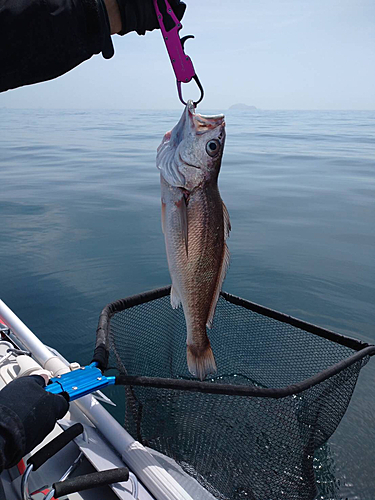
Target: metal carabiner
(181,63)
(199,85)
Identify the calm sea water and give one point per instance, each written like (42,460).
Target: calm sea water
(80,227)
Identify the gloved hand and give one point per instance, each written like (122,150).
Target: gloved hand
(27,414)
(140,15)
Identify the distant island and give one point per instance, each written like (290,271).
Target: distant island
(243,106)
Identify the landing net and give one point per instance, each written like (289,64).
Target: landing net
(285,385)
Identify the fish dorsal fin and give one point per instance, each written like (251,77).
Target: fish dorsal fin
(227,225)
(175,298)
(223,269)
(219,284)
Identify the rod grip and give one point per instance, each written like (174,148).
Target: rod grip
(93,480)
(51,448)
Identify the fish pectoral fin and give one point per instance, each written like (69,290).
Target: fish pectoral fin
(163,216)
(219,284)
(175,298)
(182,213)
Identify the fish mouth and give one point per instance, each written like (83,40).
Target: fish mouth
(202,123)
(190,107)
(191,122)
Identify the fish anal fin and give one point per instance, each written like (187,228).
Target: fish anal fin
(200,361)
(219,284)
(175,298)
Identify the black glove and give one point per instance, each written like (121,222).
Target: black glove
(27,414)
(140,15)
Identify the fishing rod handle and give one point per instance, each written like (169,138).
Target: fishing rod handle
(57,444)
(88,481)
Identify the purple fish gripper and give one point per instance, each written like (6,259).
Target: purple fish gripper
(181,63)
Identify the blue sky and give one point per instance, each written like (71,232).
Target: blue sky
(273,54)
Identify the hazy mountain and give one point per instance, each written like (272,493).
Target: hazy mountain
(240,105)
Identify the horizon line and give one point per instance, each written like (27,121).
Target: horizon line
(179,109)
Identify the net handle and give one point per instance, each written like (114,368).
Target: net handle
(238,390)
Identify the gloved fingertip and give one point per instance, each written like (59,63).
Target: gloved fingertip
(62,405)
(66,396)
(39,379)
(179,9)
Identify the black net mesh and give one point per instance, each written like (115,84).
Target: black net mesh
(237,447)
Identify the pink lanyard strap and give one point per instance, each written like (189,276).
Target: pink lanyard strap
(181,63)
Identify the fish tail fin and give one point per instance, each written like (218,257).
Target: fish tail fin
(200,360)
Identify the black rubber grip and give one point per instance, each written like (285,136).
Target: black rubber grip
(89,481)
(101,356)
(55,445)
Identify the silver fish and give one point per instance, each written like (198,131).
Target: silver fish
(196,225)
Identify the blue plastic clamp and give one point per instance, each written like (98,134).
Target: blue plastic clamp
(78,383)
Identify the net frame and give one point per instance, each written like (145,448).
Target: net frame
(102,347)
(310,403)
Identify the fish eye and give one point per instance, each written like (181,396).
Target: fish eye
(213,147)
